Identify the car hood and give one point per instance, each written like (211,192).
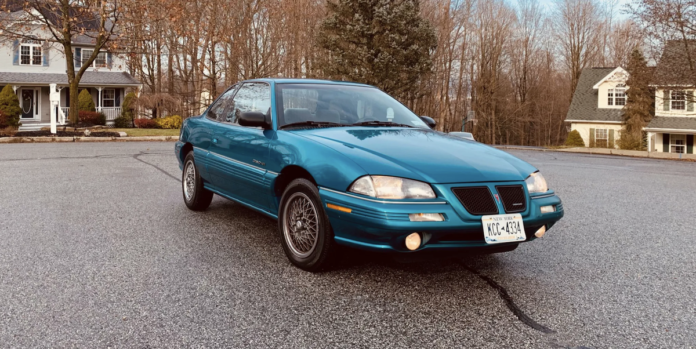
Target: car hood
(421,154)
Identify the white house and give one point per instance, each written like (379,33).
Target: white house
(673,128)
(597,107)
(36,70)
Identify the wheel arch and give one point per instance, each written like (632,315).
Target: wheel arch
(187,148)
(287,175)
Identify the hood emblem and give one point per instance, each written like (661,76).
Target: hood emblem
(497,198)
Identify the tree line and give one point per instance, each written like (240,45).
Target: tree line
(504,70)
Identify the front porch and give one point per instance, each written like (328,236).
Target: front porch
(674,141)
(41,104)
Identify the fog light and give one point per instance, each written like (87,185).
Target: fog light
(413,241)
(548,209)
(540,233)
(426,217)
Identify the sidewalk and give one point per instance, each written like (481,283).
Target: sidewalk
(603,151)
(87,139)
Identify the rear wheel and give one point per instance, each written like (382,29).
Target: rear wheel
(196,197)
(305,230)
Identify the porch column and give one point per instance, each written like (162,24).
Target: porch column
(99,102)
(54,98)
(649,142)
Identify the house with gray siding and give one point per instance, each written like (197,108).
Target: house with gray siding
(36,69)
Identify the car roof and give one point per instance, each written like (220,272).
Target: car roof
(308,81)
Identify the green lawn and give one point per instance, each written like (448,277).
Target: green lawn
(139,132)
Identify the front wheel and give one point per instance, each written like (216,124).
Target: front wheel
(196,197)
(305,230)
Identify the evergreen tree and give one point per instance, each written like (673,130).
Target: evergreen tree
(640,102)
(574,139)
(9,106)
(384,43)
(85,101)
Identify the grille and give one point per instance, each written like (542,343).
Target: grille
(513,198)
(477,200)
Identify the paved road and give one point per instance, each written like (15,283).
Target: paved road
(97,250)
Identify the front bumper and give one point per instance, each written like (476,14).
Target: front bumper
(382,225)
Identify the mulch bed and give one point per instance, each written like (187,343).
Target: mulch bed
(63,134)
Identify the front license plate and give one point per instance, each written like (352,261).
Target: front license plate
(503,228)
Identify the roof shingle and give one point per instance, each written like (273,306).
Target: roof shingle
(585,104)
(89,78)
(676,123)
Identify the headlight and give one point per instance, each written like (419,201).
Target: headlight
(385,187)
(536,183)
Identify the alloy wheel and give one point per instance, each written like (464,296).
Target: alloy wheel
(189,180)
(301,225)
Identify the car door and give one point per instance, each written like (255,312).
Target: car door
(202,135)
(242,151)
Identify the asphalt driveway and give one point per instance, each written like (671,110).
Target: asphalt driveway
(97,250)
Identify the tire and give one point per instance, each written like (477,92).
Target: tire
(306,233)
(196,197)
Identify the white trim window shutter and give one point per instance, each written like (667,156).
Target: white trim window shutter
(45,49)
(108,60)
(15,49)
(78,57)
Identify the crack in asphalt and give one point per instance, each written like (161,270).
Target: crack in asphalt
(137,157)
(502,292)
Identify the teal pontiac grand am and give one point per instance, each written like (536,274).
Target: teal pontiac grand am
(338,163)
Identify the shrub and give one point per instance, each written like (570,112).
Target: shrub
(170,122)
(91,118)
(123,122)
(574,139)
(85,102)
(631,141)
(9,106)
(146,123)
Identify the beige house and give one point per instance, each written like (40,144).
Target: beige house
(597,106)
(673,128)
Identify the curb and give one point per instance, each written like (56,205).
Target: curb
(612,152)
(87,139)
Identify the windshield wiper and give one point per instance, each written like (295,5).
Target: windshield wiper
(380,123)
(312,123)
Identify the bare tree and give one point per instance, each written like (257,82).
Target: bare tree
(578,27)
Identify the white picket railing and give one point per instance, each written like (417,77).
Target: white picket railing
(110,113)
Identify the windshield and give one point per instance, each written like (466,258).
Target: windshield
(340,104)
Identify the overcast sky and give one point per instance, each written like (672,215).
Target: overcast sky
(620,3)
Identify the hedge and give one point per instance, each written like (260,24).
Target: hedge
(91,118)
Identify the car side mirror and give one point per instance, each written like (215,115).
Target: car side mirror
(428,121)
(254,119)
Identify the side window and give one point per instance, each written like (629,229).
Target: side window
(217,111)
(251,97)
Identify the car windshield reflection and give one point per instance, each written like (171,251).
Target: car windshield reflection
(323,105)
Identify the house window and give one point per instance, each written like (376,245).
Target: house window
(109,98)
(601,138)
(617,96)
(677,143)
(678,100)
(30,53)
(99,62)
